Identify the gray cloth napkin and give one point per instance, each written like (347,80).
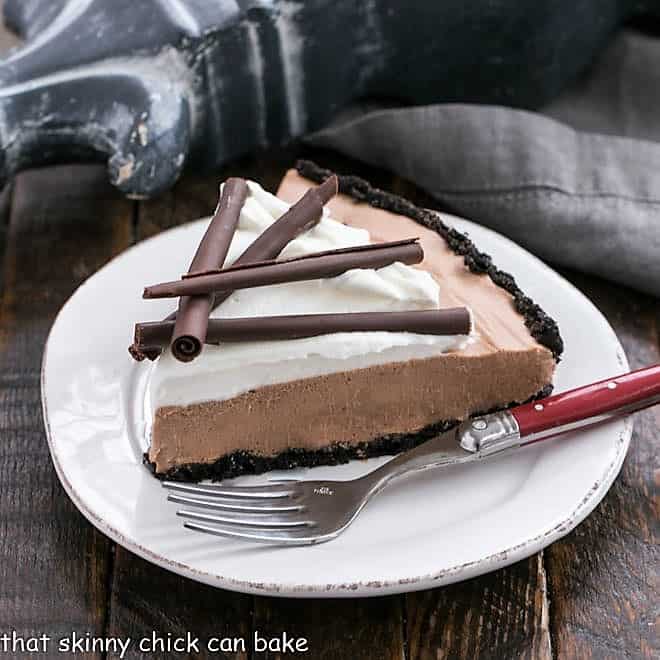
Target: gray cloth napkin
(583,192)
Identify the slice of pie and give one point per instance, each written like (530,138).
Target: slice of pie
(254,406)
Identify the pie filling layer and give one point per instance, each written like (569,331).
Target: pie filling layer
(252,406)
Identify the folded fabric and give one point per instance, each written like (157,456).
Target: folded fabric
(576,198)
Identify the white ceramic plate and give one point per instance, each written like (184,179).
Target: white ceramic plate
(429,530)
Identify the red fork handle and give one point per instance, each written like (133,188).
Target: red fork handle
(591,404)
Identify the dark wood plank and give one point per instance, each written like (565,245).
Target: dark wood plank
(64,224)
(147,598)
(5,208)
(335,629)
(500,615)
(603,577)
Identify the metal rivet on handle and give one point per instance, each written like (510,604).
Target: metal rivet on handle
(538,407)
(611,386)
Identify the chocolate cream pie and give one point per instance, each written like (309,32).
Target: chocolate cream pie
(251,406)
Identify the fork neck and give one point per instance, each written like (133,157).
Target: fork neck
(444,449)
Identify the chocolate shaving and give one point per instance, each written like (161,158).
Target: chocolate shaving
(329,263)
(303,215)
(451,321)
(193,314)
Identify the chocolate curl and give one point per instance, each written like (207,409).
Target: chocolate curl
(303,215)
(193,315)
(308,267)
(451,321)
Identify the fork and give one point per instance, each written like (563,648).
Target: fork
(292,512)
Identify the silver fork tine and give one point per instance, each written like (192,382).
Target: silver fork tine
(245,520)
(253,507)
(247,492)
(265,537)
(331,504)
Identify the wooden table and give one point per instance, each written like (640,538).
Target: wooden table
(593,594)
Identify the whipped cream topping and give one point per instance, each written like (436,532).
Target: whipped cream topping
(225,371)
